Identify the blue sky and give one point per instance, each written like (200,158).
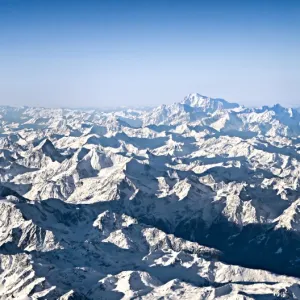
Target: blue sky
(108,53)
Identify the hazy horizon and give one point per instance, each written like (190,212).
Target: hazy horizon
(132,106)
(138,53)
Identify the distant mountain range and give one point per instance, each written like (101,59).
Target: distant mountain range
(194,200)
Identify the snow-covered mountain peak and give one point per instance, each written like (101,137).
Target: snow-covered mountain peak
(48,149)
(208,104)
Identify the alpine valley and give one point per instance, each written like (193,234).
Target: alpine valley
(194,200)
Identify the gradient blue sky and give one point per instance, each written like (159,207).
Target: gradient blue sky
(108,53)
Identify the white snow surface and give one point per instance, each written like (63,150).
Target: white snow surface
(195,200)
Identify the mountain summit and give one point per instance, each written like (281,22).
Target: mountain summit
(208,104)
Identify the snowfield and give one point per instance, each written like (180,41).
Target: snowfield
(194,200)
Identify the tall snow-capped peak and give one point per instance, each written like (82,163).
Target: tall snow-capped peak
(208,104)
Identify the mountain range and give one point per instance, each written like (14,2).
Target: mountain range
(194,200)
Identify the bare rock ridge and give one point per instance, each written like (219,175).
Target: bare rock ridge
(194,200)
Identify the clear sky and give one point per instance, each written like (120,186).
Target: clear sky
(109,53)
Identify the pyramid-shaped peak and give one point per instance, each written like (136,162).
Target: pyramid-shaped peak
(48,149)
(46,146)
(46,143)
